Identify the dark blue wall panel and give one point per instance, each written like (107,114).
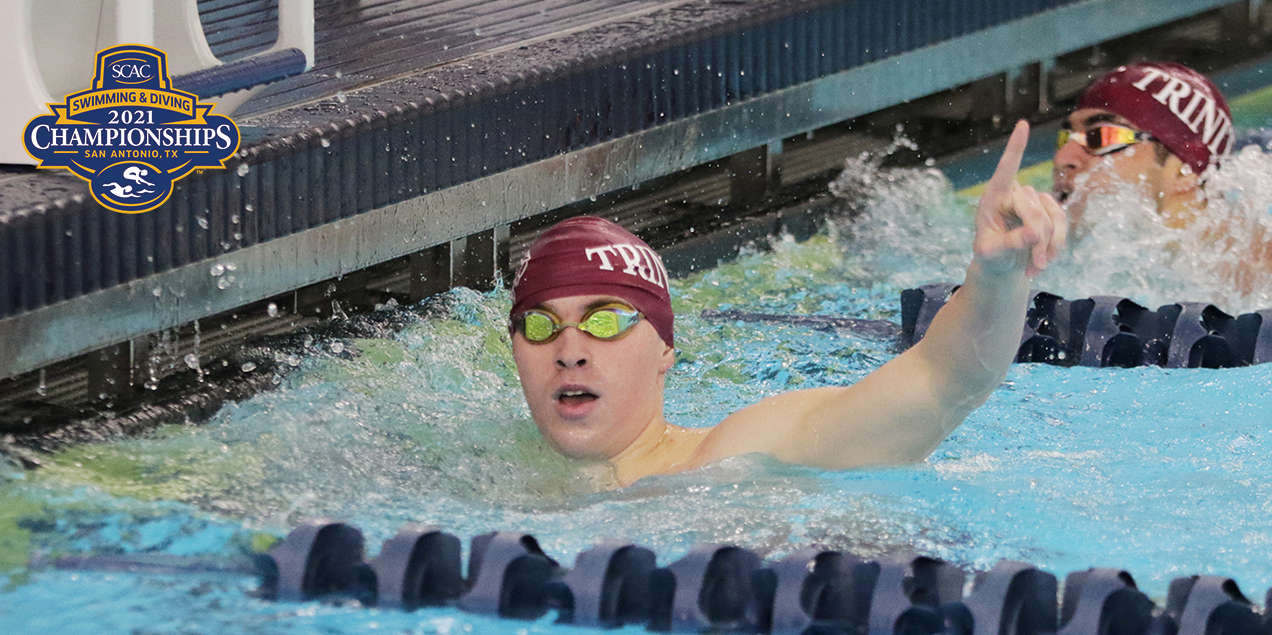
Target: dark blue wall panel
(428,141)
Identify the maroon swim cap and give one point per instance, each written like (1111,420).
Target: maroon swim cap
(1177,105)
(592,256)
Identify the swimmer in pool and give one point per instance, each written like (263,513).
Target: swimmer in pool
(592,337)
(1161,128)
(1156,126)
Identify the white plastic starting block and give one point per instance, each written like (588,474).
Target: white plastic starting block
(50,48)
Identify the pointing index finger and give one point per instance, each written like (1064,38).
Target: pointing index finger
(1009,164)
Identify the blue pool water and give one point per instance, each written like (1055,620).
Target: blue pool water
(1161,472)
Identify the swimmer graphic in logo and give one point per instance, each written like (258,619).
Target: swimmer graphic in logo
(131,186)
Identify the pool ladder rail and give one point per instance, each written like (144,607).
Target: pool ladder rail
(725,588)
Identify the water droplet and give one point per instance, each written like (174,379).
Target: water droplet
(340,97)
(203,222)
(326,143)
(224,283)
(337,347)
(272,309)
(248,367)
(248,207)
(293,360)
(238,235)
(229,266)
(157,291)
(217,269)
(234,218)
(192,360)
(243,169)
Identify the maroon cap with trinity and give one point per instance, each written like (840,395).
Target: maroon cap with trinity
(593,256)
(1177,105)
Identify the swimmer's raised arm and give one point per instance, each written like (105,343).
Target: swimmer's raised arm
(901,412)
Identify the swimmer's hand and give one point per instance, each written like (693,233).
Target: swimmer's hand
(1017,226)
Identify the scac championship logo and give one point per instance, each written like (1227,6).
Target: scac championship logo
(132,135)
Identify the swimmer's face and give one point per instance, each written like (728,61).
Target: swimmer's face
(1077,173)
(592,398)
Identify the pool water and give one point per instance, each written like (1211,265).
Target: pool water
(1161,472)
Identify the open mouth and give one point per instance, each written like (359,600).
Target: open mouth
(575,397)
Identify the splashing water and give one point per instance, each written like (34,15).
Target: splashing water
(909,228)
(1124,247)
(906,226)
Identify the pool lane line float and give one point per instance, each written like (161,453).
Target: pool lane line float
(1104,331)
(718,588)
(1100,331)
(725,588)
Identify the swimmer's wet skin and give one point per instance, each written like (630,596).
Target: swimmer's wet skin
(597,394)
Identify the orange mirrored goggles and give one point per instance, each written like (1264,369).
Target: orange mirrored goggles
(1102,140)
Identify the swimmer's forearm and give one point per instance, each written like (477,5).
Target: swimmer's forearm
(974,338)
(898,414)
(902,411)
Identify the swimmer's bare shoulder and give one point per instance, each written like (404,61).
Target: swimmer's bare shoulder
(771,426)
(834,427)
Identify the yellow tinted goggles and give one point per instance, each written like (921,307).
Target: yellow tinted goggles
(1102,140)
(609,322)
